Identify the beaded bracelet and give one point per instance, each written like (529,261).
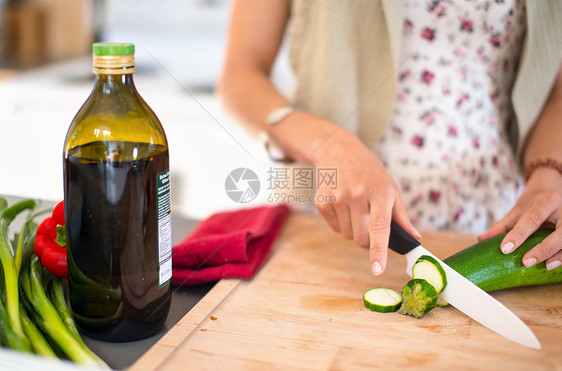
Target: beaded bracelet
(551,163)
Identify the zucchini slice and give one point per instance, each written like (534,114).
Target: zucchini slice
(429,269)
(418,298)
(382,300)
(441,302)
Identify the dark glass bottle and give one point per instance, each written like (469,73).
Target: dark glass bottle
(117,206)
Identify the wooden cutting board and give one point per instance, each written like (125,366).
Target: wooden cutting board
(304,310)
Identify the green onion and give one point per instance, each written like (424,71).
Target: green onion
(7,215)
(74,349)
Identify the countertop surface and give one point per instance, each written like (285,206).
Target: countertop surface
(304,310)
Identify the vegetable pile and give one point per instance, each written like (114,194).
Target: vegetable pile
(34,316)
(483,264)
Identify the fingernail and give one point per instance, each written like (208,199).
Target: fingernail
(418,234)
(530,262)
(553,264)
(507,247)
(377,269)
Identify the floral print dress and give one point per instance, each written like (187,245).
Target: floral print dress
(446,145)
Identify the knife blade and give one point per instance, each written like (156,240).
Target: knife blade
(464,295)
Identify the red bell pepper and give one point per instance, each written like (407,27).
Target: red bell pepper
(50,242)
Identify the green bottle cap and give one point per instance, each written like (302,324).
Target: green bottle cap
(113,49)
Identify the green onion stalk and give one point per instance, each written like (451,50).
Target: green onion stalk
(12,302)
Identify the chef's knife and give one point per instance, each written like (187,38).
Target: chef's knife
(464,295)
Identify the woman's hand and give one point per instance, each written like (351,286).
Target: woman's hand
(541,200)
(365,199)
(540,204)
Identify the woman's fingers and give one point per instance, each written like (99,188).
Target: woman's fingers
(384,208)
(380,216)
(501,226)
(366,196)
(364,214)
(545,207)
(341,207)
(555,261)
(359,210)
(328,212)
(549,249)
(540,210)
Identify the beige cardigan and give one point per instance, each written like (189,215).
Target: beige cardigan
(345,54)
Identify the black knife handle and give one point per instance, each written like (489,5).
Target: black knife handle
(401,241)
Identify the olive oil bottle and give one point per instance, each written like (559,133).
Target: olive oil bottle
(117,206)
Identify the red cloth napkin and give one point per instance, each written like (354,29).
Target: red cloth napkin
(230,244)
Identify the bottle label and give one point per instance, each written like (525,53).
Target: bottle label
(164,228)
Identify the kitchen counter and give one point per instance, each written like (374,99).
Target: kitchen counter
(304,309)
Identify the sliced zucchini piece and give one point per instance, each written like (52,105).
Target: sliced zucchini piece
(429,269)
(441,302)
(418,298)
(382,300)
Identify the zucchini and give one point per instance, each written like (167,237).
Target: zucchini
(441,302)
(488,268)
(382,300)
(418,298)
(429,269)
